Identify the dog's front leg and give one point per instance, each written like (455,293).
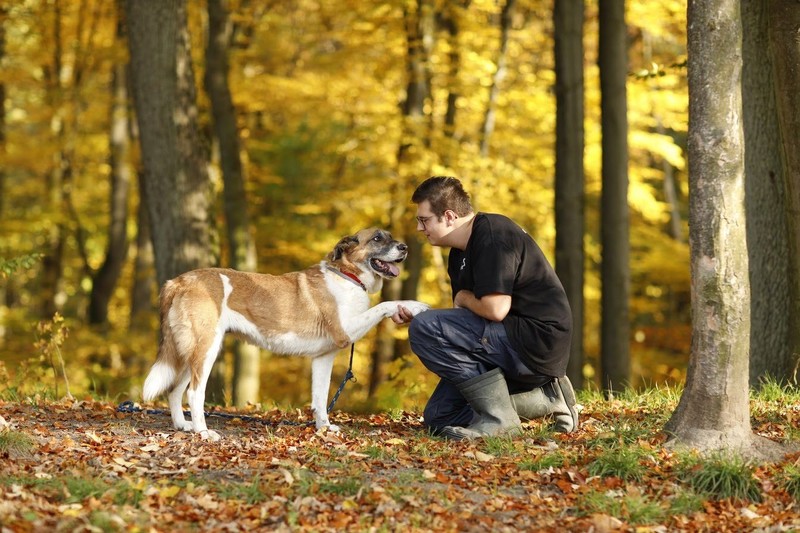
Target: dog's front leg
(321,368)
(359,325)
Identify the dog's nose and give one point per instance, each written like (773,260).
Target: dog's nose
(402,247)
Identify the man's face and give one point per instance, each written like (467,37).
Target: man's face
(429,224)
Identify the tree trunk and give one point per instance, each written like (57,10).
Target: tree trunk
(487,128)
(419,34)
(175,174)
(144,278)
(569,179)
(174,170)
(714,410)
(770,312)
(241,245)
(615,270)
(784,21)
(105,279)
(53,261)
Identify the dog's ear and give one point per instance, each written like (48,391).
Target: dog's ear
(342,246)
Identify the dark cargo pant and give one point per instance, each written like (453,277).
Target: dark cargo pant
(457,345)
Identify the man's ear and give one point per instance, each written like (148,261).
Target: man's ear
(342,246)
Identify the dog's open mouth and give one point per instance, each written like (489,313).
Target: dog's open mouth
(389,270)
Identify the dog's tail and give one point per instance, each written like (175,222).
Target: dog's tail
(164,372)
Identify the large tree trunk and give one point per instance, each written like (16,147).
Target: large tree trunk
(770,312)
(569,180)
(784,21)
(615,270)
(241,245)
(175,174)
(714,410)
(105,279)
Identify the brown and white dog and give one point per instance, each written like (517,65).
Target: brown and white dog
(314,312)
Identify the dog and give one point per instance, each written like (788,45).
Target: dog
(314,312)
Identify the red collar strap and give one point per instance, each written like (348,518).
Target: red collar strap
(349,276)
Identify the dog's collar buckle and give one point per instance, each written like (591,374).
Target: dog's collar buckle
(349,276)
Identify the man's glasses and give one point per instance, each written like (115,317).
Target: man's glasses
(424,220)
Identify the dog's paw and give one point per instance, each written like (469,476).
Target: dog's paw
(327,428)
(184,426)
(209,435)
(415,307)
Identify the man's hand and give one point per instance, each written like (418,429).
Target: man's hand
(402,316)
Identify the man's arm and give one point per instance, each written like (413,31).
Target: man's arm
(492,307)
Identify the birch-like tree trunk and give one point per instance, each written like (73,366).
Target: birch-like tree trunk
(714,409)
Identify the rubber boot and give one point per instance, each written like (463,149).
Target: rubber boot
(555,398)
(488,396)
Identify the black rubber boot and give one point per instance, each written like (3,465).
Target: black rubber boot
(488,396)
(556,398)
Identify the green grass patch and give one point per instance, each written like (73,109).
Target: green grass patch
(720,476)
(501,446)
(16,443)
(633,508)
(622,462)
(554,459)
(685,503)
(789,480)
(250,493)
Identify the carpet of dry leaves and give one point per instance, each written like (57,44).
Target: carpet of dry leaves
(91,468)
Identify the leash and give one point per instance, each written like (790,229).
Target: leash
(128,406)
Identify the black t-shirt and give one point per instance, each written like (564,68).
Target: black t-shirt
(502,258)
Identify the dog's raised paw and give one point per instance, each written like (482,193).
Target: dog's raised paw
(417,307)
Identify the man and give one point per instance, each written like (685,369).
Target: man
(501,352)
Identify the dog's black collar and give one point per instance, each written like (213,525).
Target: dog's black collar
(348,276)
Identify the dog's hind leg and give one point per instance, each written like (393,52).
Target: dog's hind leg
(321,368)
(197,387)
(175,402)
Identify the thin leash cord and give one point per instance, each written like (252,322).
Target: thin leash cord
(129,407)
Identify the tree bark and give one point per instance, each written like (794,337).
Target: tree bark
(105,279)
(419,35)
(770,311)
(714,409)
(175,172)
(615,237)
(784,33)
(487,128)
(569,179)
(144,285)
(241,244)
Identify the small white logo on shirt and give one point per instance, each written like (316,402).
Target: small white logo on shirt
(463,263)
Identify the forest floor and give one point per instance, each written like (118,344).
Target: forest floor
(74,465)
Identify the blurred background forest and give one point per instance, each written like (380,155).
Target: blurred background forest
(328,145)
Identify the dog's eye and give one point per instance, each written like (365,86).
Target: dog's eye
(378,238)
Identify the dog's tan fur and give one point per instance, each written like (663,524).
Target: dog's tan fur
(314,312)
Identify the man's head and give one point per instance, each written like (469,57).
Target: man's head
(442,207)
(443,193)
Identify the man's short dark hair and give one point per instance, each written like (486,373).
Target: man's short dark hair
(443,193)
